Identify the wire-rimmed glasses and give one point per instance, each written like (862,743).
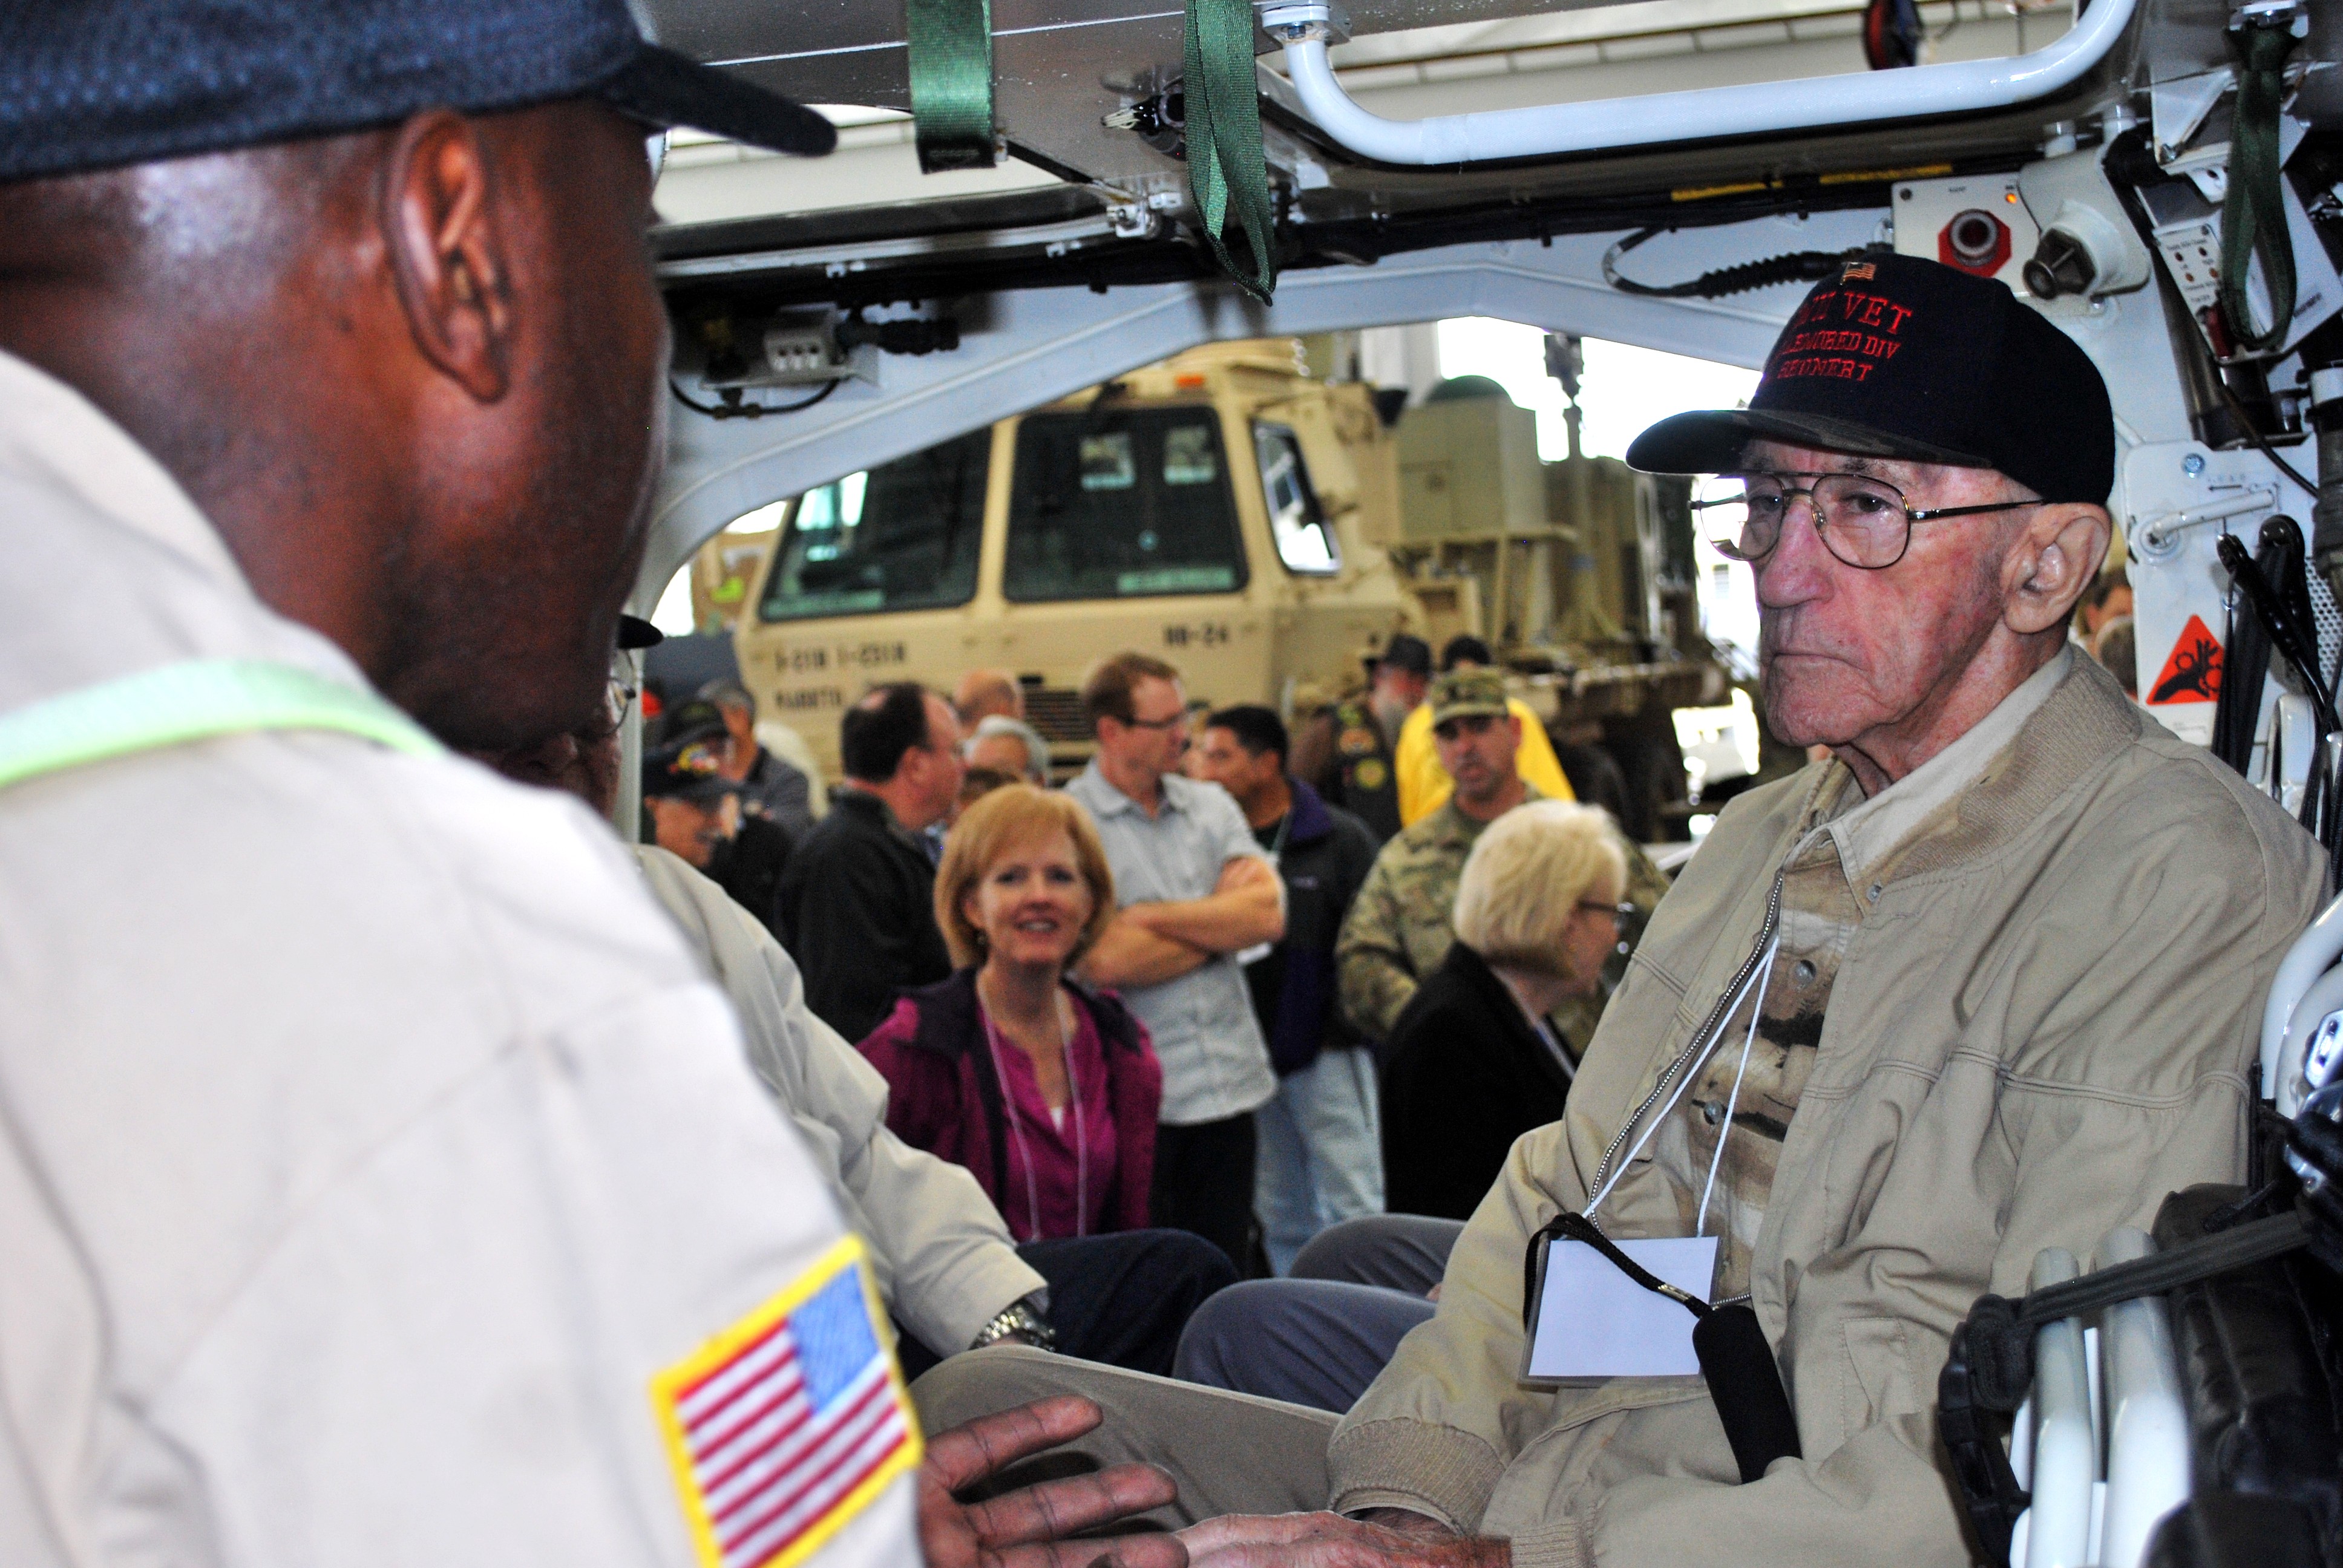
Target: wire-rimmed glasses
(1863,522)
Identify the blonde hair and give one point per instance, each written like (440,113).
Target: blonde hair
(1525,876)
(998,822)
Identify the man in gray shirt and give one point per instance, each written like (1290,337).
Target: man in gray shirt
(1195,891)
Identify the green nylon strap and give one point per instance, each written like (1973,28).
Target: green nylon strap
(2253,211)
(1227,175)
(950,47)
(197,700)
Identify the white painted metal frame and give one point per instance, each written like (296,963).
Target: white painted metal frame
(1873,99)
(1024,349)
(2146,1416)
(2055,1530)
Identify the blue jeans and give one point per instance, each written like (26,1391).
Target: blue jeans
(1321,1154)
(1320,1338)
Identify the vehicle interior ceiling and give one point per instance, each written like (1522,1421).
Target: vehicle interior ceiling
(1092,194)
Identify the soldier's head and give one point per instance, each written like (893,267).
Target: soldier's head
(1919,487)
(1477,736)
(370,281)
(1139,714)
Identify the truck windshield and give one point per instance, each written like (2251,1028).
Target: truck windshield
(902,535)
(1122,505)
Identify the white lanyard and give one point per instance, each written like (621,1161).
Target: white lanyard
(1017,1132)
(1755,988)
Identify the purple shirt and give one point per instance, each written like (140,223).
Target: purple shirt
(1061,1181)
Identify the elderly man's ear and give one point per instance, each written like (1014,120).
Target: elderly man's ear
(2052,560)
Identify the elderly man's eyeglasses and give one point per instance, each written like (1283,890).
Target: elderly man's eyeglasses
(1863,522)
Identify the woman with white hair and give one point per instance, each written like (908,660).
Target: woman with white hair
(1475,1061)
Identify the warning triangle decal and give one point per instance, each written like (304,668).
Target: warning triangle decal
(2193,672)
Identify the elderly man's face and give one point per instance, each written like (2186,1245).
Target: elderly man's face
(1847,653)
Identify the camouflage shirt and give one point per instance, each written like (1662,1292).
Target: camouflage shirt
(1401,923)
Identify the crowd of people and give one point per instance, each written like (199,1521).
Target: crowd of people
(1188,989)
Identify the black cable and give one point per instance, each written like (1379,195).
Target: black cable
(2253,434)
(734,409)
(1795,267)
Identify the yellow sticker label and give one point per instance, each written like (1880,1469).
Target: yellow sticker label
(783,1427)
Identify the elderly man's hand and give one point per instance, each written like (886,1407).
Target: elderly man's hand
(1027,1528)
(1388,1538)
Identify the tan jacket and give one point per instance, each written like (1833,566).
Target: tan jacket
(943,1255)
(2043,1023)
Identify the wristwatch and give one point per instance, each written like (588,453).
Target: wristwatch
(1019,1318)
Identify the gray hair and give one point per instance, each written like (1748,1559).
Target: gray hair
(1036,750)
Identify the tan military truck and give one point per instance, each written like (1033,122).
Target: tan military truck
(1261,528)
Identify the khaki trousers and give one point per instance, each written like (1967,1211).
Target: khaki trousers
(1230,1453)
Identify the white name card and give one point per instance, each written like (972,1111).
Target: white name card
(1594,1322)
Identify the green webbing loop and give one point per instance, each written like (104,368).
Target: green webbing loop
(2253,211)
(197,700)
(950,44)
(1227,175)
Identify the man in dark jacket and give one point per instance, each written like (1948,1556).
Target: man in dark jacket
(1320,1148)
(1345,750)
(857,897)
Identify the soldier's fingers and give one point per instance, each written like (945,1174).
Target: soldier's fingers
(967,1454)
(1056,1509)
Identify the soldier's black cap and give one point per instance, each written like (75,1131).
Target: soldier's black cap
(1899,356)
(89,85)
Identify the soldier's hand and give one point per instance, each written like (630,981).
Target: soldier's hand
(1028,1528)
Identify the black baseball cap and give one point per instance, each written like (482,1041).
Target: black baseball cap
(1898,356)
(635,634)
(1405,651)
(685,764)
(88,84)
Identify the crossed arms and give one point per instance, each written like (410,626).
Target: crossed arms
(1147,944)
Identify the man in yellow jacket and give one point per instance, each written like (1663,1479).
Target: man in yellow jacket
(1425,784)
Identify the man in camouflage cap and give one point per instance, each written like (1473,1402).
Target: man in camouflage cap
(1400,926)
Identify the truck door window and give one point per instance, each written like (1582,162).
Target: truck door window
(903,535)
(1304,543)
(1122,504)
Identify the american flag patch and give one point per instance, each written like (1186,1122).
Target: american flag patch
(1859,272)
(782,1428)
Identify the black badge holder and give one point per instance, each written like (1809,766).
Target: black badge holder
(1739,1365)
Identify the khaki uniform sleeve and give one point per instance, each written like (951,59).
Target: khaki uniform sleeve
(452,1356)
(1371,957)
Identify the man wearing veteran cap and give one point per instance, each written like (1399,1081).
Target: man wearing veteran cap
(2005,955)
(380,1177)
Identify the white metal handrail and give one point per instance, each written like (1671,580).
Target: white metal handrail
(1871,99)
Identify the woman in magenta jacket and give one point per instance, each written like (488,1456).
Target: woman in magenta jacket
(1044,1089)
